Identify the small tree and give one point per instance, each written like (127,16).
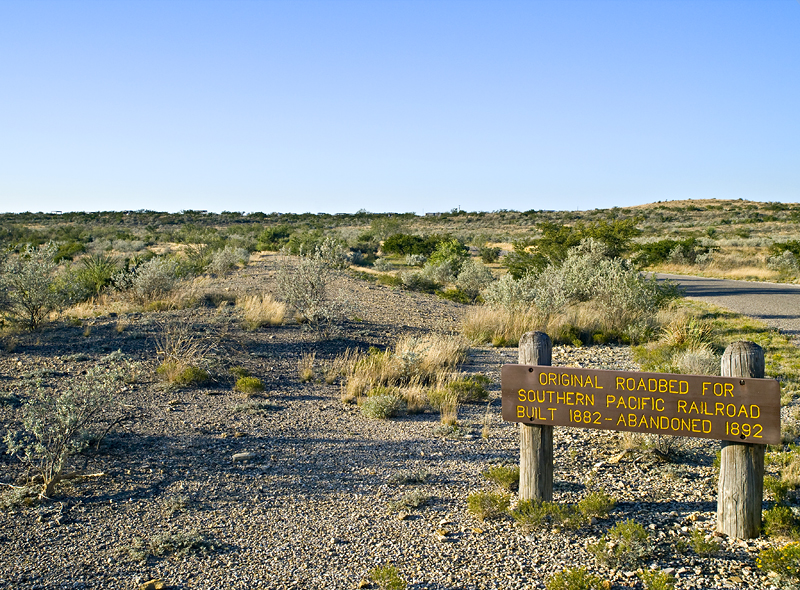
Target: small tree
(30,285)
(57,426)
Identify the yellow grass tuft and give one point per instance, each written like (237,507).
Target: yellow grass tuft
(305,367)
(260,310)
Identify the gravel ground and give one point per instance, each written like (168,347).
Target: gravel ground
(297,493)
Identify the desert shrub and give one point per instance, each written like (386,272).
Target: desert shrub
(417,281)
(656,580)
(489,254)
(260,310)
(409,477)
(409,244)
(488,505)
(381,406)
(779,521)
(783,561)
(410,500)
(698,361)
(416,260)
(440,273)
(505,476)
(450,252)
(30,286)
(510,293)
(388,578)
(55,426)
(596,504)
(624,545)
(155,278)
(178,544)
(249,385)
(274,238)
(574,579)
(333,253)
(703,545)
(302,283)
(532,514)
(382,265)
(473,278)
(680,251)
(785,263)
(227,259)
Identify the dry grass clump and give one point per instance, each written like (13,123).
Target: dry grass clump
(260,310)
(184,357)
(340,365)
(305,367)
(416,371)
(500,326)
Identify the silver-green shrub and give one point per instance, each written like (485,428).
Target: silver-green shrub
(31,289)
(55,426)
(416,259)
(225,260)
(473,278)
(382,406)
(155,278)
(333,253)
(302,282)
(785,263)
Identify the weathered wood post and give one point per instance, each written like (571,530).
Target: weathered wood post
(741,471)
(535,442)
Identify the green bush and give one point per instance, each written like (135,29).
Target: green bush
(382,405)
(96,273)
(249,385)
(596,505)
(410,500)
(778,487)
(505,476)
(779,521)
(388,578)
(784,561)
(624,545)
(470,389)
(656,580)
(405,244)
(185,376)
(531,515)
(489,254)
(574,579)
(155,278)
(703,546)
(488,505)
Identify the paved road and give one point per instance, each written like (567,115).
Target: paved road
(777,305)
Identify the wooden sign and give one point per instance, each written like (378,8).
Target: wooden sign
(724,408)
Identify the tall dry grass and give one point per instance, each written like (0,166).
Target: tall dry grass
(260,310)
(501,327)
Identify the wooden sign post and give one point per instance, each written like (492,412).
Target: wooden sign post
(741,470)
(740,408)
(535,441)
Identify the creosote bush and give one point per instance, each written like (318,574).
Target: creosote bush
(783,561)
(575,579)
(488,505)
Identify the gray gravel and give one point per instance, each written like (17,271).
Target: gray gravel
(299,494)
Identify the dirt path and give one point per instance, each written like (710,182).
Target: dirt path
(775,304)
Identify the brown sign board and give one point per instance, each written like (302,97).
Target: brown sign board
(724,408)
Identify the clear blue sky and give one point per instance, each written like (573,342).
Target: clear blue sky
(336,105)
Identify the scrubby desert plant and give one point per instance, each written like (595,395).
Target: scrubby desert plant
(388,577)
(488,505)
(382,403)
(574,579)
(783,561)
(56,426)
(178,544)
(780,522)
(505,476)
(155,278)
(531,515)
(31,290)
(656,580)
(704,545)
(261,310)
(302,283)
(624,545)
(227,259)
(596,504)
(249,385)
(410,500)
(445,401)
